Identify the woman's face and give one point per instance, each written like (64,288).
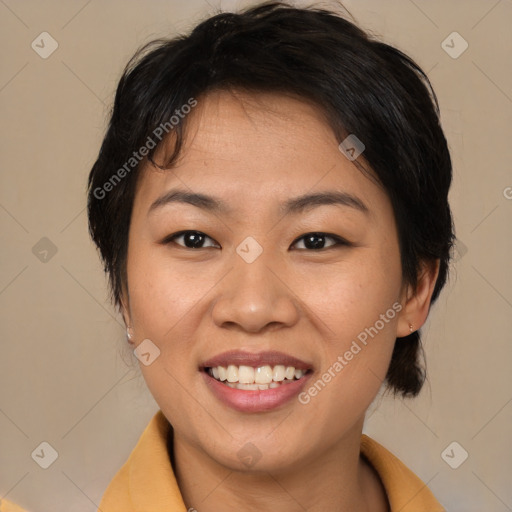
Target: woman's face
(253,281)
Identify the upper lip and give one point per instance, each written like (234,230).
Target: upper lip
(255,359)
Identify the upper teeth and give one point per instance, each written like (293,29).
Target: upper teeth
(260,375)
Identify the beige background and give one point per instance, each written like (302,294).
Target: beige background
(65,377)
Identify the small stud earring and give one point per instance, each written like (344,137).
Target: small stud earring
(410,328)
(129,333)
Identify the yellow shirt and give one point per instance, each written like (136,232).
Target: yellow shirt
(8,506)
(146,482)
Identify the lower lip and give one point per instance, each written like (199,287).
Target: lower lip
(255,400)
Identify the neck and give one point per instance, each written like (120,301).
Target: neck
(339,479)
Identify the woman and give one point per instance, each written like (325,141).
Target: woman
(270,202)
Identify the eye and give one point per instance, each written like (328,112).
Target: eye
(191,239)
(316,241)
(195,240)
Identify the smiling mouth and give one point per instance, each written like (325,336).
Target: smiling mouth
(255,378)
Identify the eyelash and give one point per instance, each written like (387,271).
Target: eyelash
(339,241)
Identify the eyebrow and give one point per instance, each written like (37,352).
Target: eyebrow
(291,206)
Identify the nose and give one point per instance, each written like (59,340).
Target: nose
(255,297)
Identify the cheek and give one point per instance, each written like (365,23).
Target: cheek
(359,308)
(167,301)
(161,291)
(351,296)
(162,300)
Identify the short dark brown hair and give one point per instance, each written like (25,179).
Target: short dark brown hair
(363,87)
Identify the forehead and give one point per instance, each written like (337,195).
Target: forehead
(252,148)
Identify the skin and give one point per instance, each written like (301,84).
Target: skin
(253,152)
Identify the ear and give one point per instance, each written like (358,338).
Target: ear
(416,303)
(125,308)
(125,311)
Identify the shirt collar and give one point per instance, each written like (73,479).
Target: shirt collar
(149,480)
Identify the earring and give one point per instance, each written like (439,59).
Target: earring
(410,328)
(129,333)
